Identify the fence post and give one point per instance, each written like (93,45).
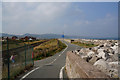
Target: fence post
(25,55)
(58,44)
(32,55)
(8,58)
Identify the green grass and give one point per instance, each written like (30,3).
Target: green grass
(48,49)
(85,45)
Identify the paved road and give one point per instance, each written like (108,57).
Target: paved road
(51,67)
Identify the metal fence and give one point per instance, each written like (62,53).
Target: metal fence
(16,58)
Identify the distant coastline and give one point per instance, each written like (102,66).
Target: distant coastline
(49,36)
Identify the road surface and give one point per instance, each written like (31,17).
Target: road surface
(51,67)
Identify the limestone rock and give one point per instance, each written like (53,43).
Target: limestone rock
(100,50)
(104,56)
(93,59)
(101,55)
(113,73)
(113,64)
(101,65)
(90,54)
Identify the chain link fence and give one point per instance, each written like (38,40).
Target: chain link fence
(16,58)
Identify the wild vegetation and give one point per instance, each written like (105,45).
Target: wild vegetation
(15,72)
(85,45)
(17,43)
(32,42)
(48,48)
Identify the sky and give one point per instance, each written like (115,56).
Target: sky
(96,19)
(0,16)
(60,0)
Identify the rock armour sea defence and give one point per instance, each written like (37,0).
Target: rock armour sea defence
(105,56)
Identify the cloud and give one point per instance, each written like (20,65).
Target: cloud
(60,0)
(0,17)
(41,11)
(81,22)
(40,18)
(31,15)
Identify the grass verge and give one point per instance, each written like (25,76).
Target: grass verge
(48,48)
(85,45)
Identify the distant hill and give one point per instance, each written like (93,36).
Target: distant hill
(7,35)
(49,36)
(43,36)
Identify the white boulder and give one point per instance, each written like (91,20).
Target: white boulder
(100,50)
(113,73)
(84,57)
(84,50)
(95,48)
(90,54)
(113,64)
(105,45)
(116,44)
(93,59)
(101,55)
(101,65)
(115,47)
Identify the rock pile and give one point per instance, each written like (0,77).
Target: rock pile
(104,56)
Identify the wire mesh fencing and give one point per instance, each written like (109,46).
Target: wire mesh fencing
(16,58)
